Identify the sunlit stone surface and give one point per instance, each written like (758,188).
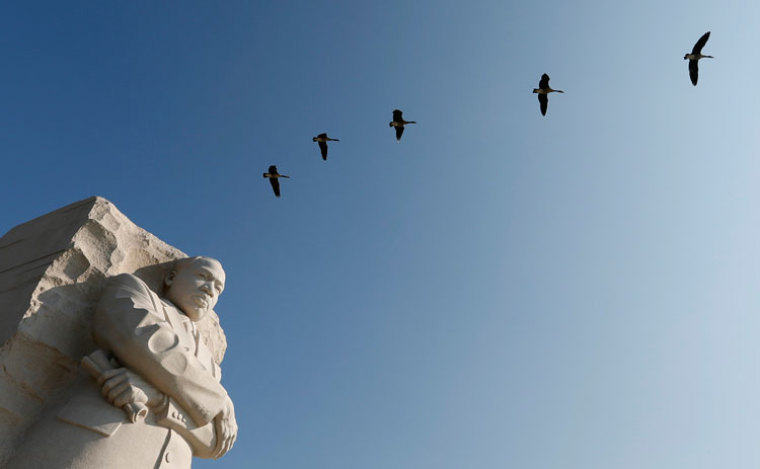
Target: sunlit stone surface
(53,271)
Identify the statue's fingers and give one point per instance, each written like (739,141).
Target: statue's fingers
(225,447)
(230,438)
(122,399)
(129,395)
(111,383)
(219,427)
(224,441)
(117,390)
(108,374)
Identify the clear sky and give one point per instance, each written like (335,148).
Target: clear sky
(499,289)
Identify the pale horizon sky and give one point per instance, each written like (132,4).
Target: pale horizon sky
(499,289)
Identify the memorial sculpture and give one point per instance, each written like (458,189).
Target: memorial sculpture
(145,390)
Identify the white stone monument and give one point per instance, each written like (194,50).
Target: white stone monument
(110,346)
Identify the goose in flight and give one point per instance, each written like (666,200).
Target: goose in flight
(398,122)
(696,54)
(273,176)
(322,139)
(543,90)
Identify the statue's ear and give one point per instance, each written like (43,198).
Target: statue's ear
(170,278)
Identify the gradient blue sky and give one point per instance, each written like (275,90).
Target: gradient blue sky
(500,289)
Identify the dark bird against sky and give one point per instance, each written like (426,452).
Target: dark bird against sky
(543,90)
(322,140)
(398,122)
(696,54)
(273,177)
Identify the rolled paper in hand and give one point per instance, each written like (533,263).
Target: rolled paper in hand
(96,364)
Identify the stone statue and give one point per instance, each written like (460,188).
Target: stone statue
(151,396)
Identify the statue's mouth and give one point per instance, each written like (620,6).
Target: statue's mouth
(201,301)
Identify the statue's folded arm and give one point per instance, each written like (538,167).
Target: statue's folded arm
(131,323)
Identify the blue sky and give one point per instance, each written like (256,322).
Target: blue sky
(499,289)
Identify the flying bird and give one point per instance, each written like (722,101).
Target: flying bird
(322,139)
(398,122)
(543,90)
(696,54)
(274,176)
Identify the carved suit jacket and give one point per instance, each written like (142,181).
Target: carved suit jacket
(157,341)
(153,338)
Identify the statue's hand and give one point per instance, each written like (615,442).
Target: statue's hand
(121,386)
(226,429)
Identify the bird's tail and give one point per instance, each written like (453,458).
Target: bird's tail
(535,90)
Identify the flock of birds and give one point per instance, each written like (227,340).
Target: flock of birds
(274,177)
(543,91)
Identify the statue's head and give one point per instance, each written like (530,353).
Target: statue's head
(194,285)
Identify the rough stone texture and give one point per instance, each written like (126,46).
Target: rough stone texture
(52,270)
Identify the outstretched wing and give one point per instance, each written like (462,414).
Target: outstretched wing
(275,185)
(544,101)
(694,71)
(399,132)
(544,83)
(323,149)
(398,116)
(701,43)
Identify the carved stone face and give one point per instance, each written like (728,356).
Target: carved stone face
(195,287)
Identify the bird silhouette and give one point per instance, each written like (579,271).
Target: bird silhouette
(273,177)
(322,140)
(398,122)
(696,54)
(543,90)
